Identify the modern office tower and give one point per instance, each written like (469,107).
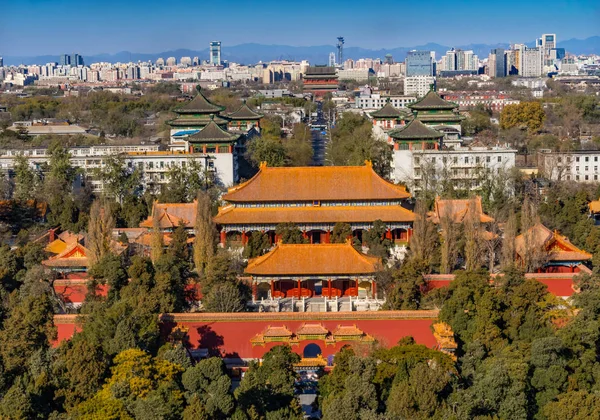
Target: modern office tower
(497,63)
(1,62)
(64,60)
(449,60)
(186,61)
(519,49)
(419,63)
(215,53)
(160,62)
(388,59)
(171,61)
(468,61)
(196,61)
(531,62)
(331,59)
(76,60)
(547,43)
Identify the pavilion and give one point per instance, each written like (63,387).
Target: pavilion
(306,270)
(434,111)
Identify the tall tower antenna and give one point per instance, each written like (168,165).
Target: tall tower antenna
(340,49)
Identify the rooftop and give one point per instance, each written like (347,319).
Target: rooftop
(171,214)
(199,105)
(415,130)
(558,246)
(388,111)
(309,259)
(212,133)
(457,210)
(432,101)
(244,113)
(315,183)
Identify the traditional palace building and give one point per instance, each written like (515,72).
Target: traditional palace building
(315,199)
(305,270)
(560,255)
(320,80)
(389,117)
(435,112)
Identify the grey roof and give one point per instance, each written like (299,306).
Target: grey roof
(244,113)
(199,105)
(432,101)
(212,133)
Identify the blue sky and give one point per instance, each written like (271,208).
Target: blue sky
(36,27)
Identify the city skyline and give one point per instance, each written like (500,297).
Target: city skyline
(148,27)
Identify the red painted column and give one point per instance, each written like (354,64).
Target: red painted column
(244,238)
(299,285)
(388,234)
(304,234)
(374,289)
(254,290)
(329,284)
(223,237)
(204,148)
(328,237)
(409,234)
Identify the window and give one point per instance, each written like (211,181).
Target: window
(577,159)
(587,168)
(444,159)
(587,177)
(559,160)
(477,159)
(595,158)
(499,159)
(595,177)
(455,172)
(466,159)
(455,160)
(587,159)
(595,168)
(577,177)
(577,168)
(417,160)
(488,159)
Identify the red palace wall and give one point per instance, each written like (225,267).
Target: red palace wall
(559,284)
(229,335)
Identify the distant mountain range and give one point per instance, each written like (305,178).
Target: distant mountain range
(254,53)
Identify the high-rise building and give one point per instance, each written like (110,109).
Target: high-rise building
(531,62)
(519,49)
(171,61)
(449,62)
(215,53)
(186,61)
(160,62)
(64,60)
(388,59)
(497,63)
(76,60)
(419,63)
(331,59)
(1,62)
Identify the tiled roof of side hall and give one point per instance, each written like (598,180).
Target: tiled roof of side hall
(415,130)
(212,132)
(388,111)
(199,105)
(432,101)
(244,113)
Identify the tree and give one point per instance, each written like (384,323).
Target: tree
(508,243)
(267,149)
(341,233)
(526,114)
(118,179)
(473,233)
(289,233)
(108,270)
(26,180)
(376,241)
(157,243)
(268,389)
(298,147)
(184,183)
(258,244)
(29,327)
(352,143)
(208,384)
(224,297)
(450,234)
(100,229)
(534,254)
(575,405)
(139,385)
(204,242)
(424,238)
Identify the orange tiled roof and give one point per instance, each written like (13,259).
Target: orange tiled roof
(282,331)
(312,329)
(594,206)
(316,183)
(171,214)
(56,246)
(346,330)
(75,255)
(318,214)
(457,210)
(560,248)
(307,259)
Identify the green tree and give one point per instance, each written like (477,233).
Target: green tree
(100,227)
(289,233)
(208,385)
(376,241)
(204,242)
(258,244)
(118,179)
(298,147)
(341,233)
(26,180)
(267,149)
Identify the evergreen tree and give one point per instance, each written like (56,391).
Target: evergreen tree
(204,243)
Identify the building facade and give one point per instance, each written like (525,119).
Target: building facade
(418,85)
(419,63)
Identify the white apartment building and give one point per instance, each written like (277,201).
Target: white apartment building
(418,85)
(531,62)
(153,163)
(579,165)
(466,166)
(378,101)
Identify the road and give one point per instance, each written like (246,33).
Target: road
(319,140)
